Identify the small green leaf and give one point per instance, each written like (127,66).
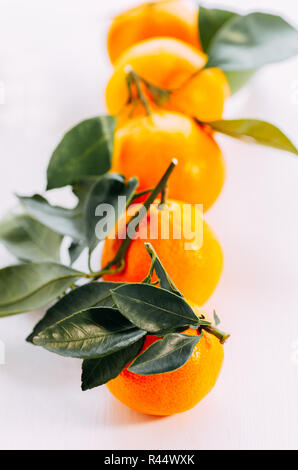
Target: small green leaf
(210,22)
(92,333)
(93,294)
(153,309)
(28,239)
(216,318)
(96,372)
(61,220)
(253,130)
(29,286)
(156,265)
(103,206)
(85,151)
(165,355)
(252,41)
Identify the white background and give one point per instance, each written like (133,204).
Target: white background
(54,67)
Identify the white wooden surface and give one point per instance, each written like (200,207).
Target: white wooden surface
(54,67)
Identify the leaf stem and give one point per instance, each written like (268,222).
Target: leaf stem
(89,263)
(104,271)
(147,203)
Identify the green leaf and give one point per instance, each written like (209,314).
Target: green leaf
(29,286)
(210,22)
(82,188)
(156,265)
(216,318)
(238,79)
(75,250)
(96,332)
(252,41)
(153,309)
(165,355)
(105,193)
(85,151)
(93,294)
(253,130)
(61,220)
(96,372)
(28,239)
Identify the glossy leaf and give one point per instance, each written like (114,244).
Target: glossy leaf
(165,355)
(92,333)
(251,41)
(253,130)
(156,265)
(82,188)
(29,240)
(106,193)
(85,151)
(153,309)
(96,372)
(210,22)
(61,220)
(93,294)
(29,286)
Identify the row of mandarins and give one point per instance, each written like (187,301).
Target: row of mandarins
(158,86)
(147,140)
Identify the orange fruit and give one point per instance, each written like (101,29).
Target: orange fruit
(145,146)
(176,391)
(193,264)
(203,96)
(175,66)
(173,18)
(165,62)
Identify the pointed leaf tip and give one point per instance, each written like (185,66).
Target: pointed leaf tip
(152,308)
(165,355)
(255,131)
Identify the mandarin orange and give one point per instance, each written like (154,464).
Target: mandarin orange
(176,391)
(184,243)
(173,18)
(176,67)
(145,146)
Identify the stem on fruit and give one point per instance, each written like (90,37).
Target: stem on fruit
(142,193)
(159,95)
(117,264)
(133,78)
(221,335)
(119,257)
(163,198)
